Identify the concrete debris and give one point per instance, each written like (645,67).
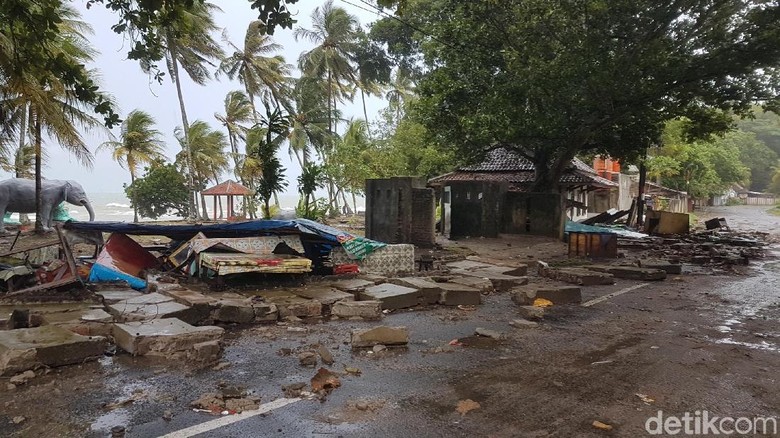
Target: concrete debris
(233,311)
(97,315)
(524,323)
(232,400)
(325,355)
(500,282)
(293,390)
(18,420)
(352,370)
(525,296)
(353,286)
(429,290)
(152,306)
(308,359)
(296,306)
(453,294)
(380,335)
(484,285)
(489,333)
(466,406)
(392,296)
(170,337)
(666,266)
(630,272)
(167,415)
(324,294)
(379,348)
(21,379)
(115,296)
(370,310)
(324,381)
(45,346)
(580,276)
(531,312)
(221,366)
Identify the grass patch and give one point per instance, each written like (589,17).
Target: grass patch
(775,211)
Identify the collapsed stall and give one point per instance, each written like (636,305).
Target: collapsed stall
(265,246)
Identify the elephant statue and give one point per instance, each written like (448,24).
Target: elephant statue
(18,195)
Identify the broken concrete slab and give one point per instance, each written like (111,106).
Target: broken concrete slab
(292,305)
(467,265)
(531,312)
(168,337)
(49,345)
(353,286)
(265,312)
(96,315)
(583,277)
(373,278)
(514,271)
(115,296)
(556,294)
(666,266)
(204,354)
(630,272)
(370,310)
(382,335)
(484,285)
(430,292)
(326,295)
(500,282)
(392,296)
(126,311)
(524,323)
(233,311)
(191,298)
(454,294)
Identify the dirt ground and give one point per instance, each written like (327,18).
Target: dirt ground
(698,341)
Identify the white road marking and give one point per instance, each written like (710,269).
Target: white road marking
(613,294)
(216,423)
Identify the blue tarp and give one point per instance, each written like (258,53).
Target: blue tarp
(100,273)
(318,239)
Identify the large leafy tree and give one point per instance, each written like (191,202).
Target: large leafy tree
(139,144)
(560,78)
(162,190)
(262,73)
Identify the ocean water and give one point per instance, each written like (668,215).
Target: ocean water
(116,207)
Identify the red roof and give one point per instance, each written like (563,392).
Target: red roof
(228,187)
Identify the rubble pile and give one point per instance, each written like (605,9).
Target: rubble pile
(709,248)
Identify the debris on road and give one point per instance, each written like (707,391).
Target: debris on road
(644,398)
(324,380)
(380,335)
(308,359)
(601,426)
(489,333)
(523,323)
(325,355)
(234,400)
(21,379)
(466,406)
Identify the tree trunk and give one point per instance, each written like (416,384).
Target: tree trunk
(354,202)
(186,128)
(640,202)
(135,204)
(205,212)
(365,113)
(267,204)
(38,204)
(19,161)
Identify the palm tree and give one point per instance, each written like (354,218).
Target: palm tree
(44,104)
(401,92)
(373,69)
(333,32)
(309,120)
(189,44)
(238,110)
(261,73)
(139,143)
(207,149)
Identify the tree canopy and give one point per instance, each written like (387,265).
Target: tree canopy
(560,78)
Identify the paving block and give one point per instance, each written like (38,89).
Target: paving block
(382,335)
(168,337)
(370,310)
(96,315)
(631,272)
(484,285)
(454,294)
(233,311)
(392,296)
(115,296)
(430,292)
(49,345)
(668,267)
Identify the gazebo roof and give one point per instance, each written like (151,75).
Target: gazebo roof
(228,187)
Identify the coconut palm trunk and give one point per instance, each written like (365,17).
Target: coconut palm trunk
(135,203)
(38,204)
(186,126)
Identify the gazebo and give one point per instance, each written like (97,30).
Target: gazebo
(229,189)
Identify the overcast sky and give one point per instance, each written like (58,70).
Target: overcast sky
(133,89)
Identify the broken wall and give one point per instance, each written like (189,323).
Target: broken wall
(539,214)
(475,208)
(400,210)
